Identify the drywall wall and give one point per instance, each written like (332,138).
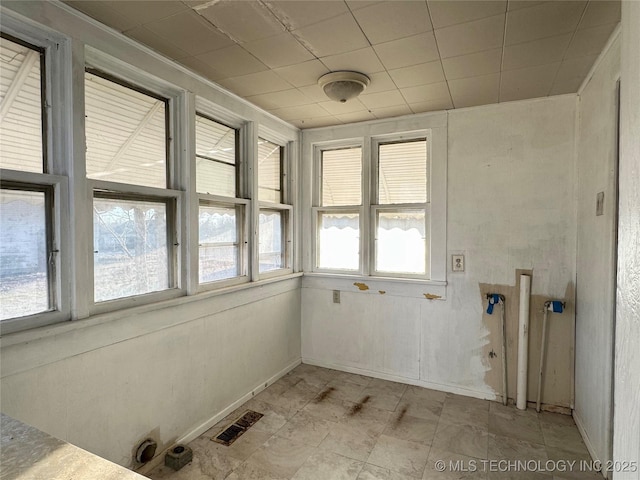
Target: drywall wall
(163,373)
(509,206)
(597,150)
(626,442)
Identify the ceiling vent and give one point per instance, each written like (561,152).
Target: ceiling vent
(343,86)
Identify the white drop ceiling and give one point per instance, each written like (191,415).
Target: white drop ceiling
(420,55)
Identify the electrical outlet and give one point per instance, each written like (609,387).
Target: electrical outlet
(457,263)
(336,296)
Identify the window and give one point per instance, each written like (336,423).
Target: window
(134,236)
(274,214)
(372,218)
(222,240)
(31,194)
(401,208)
(25,237)
(339,218)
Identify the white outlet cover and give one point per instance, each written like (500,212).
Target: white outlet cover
(457,263)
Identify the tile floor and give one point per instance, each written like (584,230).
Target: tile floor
(329,425)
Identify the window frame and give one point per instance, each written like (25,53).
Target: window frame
(376,207)
(212,112)
(174,197)
(369,136)
(285,206)
(55,57)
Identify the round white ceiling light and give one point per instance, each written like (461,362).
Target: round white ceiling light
(343,86)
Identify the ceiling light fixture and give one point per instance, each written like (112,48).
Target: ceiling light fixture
(343,86)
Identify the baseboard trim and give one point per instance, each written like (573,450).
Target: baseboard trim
(587,442)
(206,425)
(468,392)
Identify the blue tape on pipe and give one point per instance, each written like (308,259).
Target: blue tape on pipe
(556,306)
(494,299)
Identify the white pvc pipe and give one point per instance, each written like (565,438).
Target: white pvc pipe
(523,342)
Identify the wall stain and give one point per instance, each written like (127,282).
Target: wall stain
(432,296)
(324,394)
(556,390)
(382,292)
(361,286)
(358,406)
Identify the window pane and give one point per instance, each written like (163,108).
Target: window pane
(400,242)
(402,173)
(271,241)
(130,248)
(21,100)
(269,162)
(215,158)
(24,287)
(339,241)
(125,134)
(219,247)
(342,177)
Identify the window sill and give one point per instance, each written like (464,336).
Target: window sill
(130,314)
(402,287)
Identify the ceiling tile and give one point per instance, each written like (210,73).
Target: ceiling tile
(601,13)
(518,4)
(546,20)
(233,61)
(364,61)
(303,74)
(538,52)
(426,93)
(106,14)
(388,21)
(356,116)
(300,14)
(432,106)
(156,42)
(395,111)
(330,37)
(285,98)
(313,93)
(408,51)
(382,99)
(202,68)
(590,41)
(421,74)
(316,122)
(481,90)
(471,37)
(358,4)
(572,73)
(243,21)
(474,64)
(337,108)
(446,13)
(255,83)
(190,32)
(529,82)
(279,51)
(148,11)
(380,82)
(300,112)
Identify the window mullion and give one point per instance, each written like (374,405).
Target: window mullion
(251,157)
(367,239)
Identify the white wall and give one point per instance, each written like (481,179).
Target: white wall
(510,206)
(626,442)
(164,373)
(595,266)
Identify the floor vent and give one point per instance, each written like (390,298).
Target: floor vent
(237,428)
